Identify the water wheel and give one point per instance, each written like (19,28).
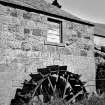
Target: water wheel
(49,84)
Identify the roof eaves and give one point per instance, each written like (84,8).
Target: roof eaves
(28,7)
(99,35)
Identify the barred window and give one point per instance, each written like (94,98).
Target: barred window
(54,32)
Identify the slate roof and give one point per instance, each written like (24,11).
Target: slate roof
(99,29)
(42,5)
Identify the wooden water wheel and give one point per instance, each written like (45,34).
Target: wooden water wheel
(49,84)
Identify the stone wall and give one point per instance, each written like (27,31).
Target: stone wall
(24,48)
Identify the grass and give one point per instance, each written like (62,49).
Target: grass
(91,100)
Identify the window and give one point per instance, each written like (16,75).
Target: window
(100,41)
(54,32)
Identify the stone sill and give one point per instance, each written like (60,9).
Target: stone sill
(54,44)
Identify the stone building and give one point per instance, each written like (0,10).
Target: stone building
(99,42)
(99,34)
(35,34)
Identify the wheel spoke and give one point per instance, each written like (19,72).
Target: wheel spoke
(74,97)
(53,89)
(51,84)
(65,87)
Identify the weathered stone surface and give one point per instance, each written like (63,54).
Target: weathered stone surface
(55,56)
(25,46)
(27,15)
(83,53)
(4,10)
(36,32)
(20,37)
(14,44)
(15,21)
(5,19)
(26,31)
(32,68)
(1,27)
(13,28)
(51,49)
(48,62)
(30,24)
(23,49)
(3,67)
(5,96)
(14,13)
(58,62)
(38,18)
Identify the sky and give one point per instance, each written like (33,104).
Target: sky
(91,10)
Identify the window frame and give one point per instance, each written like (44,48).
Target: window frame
(60,29)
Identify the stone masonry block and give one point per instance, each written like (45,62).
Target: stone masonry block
(20,37)
(55,56)
(37,43)
(3,67)
(44,33)
(37,32)
(4,10)
(43,19)
(13,28)
(3,43)
(5,19)
(38,47)
(46,55)
(83,53)
(48,62)
(9,36)
(17,83)
(3,59)
(6,78)
(65,51)
(58,62)
(26,31)
(37,18)
(5,96)
(15,21)
(14,13)
(14,44)
(23,22)
(7,83)
(90,30)
(33,54)
(27,15)
(1,27)
(25,46)
(32,68)
(51,49)
(30,24)
(5,28)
